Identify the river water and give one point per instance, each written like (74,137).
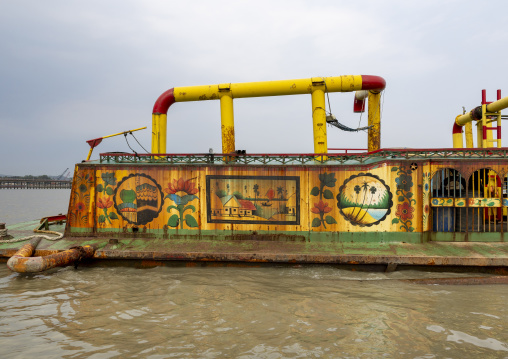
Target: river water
(191,311)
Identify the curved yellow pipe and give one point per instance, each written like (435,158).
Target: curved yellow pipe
(315,86)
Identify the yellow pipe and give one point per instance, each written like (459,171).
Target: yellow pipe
(479,134)
(346,83)
(319,115)
(124,132)
(469,135)
(267,88)
(374,136)
(227,121)
(498,105)
(96,141)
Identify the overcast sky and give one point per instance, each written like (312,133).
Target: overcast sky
(71,71)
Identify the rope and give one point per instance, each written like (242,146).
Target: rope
(14,240)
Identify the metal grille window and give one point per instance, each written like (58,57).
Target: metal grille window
(485,194)
(448,197)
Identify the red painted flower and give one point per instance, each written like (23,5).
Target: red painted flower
(104,202)
(404,211)
(320,207)
(80,206)
(181,186)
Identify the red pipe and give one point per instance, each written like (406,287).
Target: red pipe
(374,83)
(163,103)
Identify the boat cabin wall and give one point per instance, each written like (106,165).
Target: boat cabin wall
(390,201)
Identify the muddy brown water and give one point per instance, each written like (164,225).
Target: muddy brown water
(236,312)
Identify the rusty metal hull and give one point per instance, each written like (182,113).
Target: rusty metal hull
(147,251)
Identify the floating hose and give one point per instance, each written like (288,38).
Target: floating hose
(23,262)
(14,240)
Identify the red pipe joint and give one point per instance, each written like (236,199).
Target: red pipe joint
(374,83)
(163,103)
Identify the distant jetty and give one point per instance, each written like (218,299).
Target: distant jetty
(20,183)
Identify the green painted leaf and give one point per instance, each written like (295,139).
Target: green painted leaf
(170,208)
(409,194)
(190,206)
(490,204)
(191,221)
(102,218)
(316,222)
(173,221)
(100,188)
(449,201)
(330,220)
(186,199)
(327,194)
(460,203)
(401,198)
(395,221)
(395,169)
(109,191)
(113,215)
(314,191)
(328,179)
(411,229)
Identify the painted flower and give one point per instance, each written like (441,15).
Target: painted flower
(426,208)
(83,188)
(80,206)
(426,187)
(109,178)
(404,182)
(328,179)
(181,185)
(104,202)
(404,211)
(320,207)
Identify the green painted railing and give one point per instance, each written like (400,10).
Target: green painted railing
(306,158)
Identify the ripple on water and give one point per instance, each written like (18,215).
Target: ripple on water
(246,312)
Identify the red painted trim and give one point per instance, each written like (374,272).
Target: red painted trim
(484,133)
(163,103)
(484,97)
(456,128)
(95,142)
(370,82)
(499,94)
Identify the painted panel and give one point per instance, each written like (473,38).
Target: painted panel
(484,202)
(364,200)
(253,199)
(82,204)
(311,200)
(442,202)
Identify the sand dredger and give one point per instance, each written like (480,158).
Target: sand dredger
(441,206)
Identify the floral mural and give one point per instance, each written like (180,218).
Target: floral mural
(79,213)
(321,208)
(405,209)
(181,192)
(104,192)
